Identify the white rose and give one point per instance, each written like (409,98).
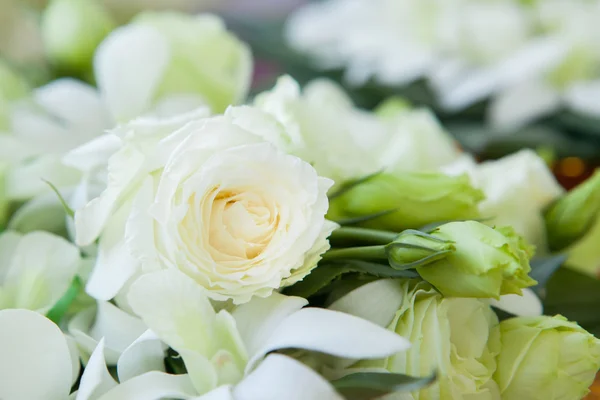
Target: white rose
(211,199)
(344,142)
(324,128)
(418,143)
(517,188)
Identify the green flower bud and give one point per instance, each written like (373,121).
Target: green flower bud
(545,358)
(487,262)
(413,199)
(12,86)
(452,336)
(414,248)
(392,106)
(572,216)
(72,29)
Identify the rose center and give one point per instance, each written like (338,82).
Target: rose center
(241,224)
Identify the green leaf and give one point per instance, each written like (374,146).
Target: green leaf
(352,184)
(64,204)
(542,268)
(317,280)
(325,274)
(574,295)
(353,236)
(379,270)
(57,312)
(372,385)
(365,218)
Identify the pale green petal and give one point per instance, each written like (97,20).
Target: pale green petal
(201,371)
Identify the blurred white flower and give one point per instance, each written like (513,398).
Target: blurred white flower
(166,63)
(530,57)
(517,189)
(344,142)
(43,127)
(36,270)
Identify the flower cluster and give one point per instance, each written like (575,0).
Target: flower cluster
(530,56)
(288,246)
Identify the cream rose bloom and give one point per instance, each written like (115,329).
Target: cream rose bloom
(207,197)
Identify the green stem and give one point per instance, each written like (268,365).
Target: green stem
(362,235)
(357,253)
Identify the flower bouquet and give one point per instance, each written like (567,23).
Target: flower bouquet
(167,237)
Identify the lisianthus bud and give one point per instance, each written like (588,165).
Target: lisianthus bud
(392,106)
(573,215)
(72,29)
(545,358)
(413,199)
(487,262)
(412,248)
(12,86)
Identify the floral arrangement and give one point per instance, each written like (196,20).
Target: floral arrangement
(531,58)
(167,236)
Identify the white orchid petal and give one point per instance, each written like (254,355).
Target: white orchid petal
(115,264)
(145,354)
(118,327)
(376,301)
(280,377)
(35,361)
(8,245)
(583,98)
(43,212)
(523,104)
(152,385)
(124,167)
(26,180)
(79,328)
(128,66)
(43,268)
(258,318)
(75,103)
(333,333)
(223,392)
(94,153)
(174,307)
(527,305)
(96,380)
(75,361)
